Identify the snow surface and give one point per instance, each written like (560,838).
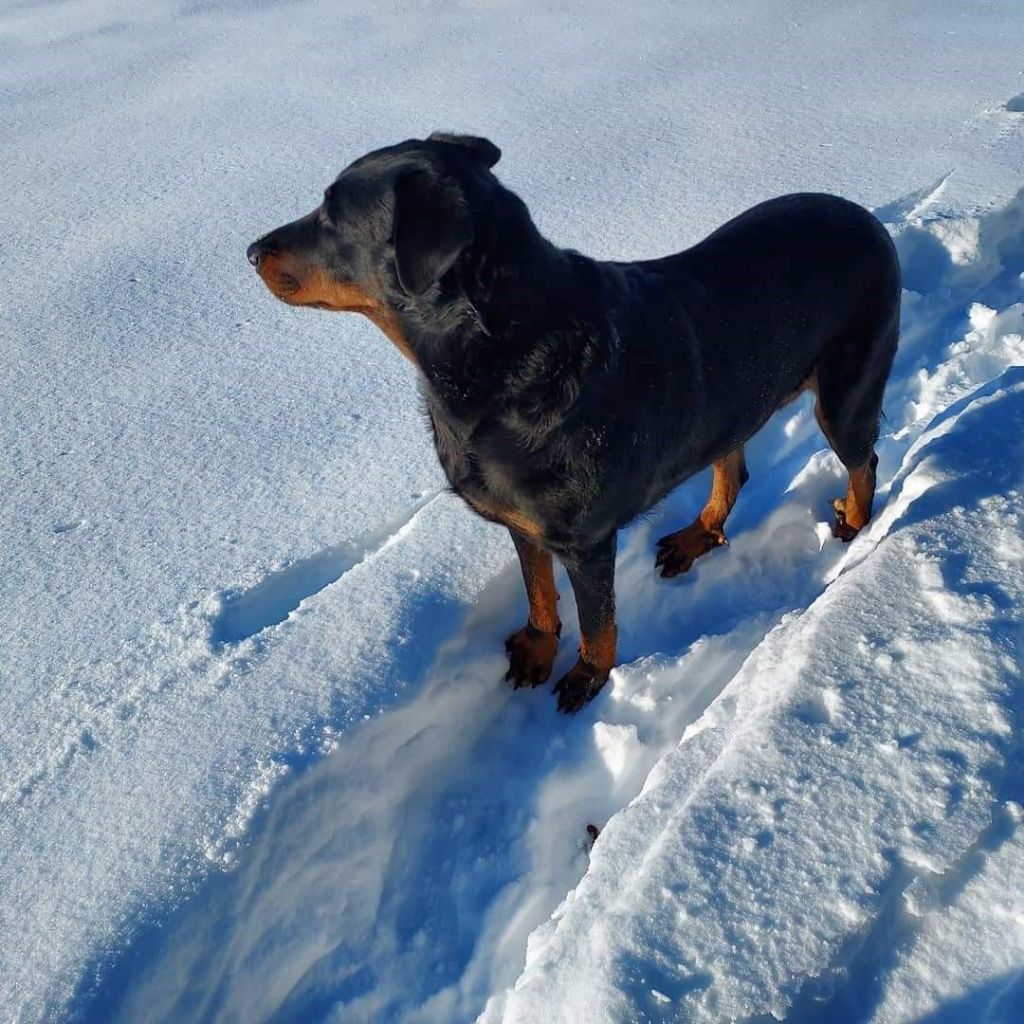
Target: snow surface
(244,627)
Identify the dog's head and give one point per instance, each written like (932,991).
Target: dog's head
(388,230)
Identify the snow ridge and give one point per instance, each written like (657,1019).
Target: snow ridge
(246,612)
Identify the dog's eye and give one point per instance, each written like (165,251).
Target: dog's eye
(323,217)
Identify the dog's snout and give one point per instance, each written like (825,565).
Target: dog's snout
(259,251)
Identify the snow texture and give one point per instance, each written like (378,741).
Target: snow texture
(255,759)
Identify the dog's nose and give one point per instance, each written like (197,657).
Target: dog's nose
(254,253)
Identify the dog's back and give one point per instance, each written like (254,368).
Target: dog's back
(719,336)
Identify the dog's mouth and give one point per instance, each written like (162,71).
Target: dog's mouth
(289,289)
(280,282)
(311,288)
(284,285)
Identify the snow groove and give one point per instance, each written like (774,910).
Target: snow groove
(246,612)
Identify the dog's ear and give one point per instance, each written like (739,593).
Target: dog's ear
(432,226)
(482,149)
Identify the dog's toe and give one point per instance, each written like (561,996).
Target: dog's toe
(840,527)
(578,686)
(678,551)
(531,656)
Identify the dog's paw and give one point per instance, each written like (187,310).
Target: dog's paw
(840,527)
(582,683)
(678,551)
(531,655)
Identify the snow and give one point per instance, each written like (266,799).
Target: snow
(255,758)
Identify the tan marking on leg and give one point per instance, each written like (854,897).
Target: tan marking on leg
(854,511)
(539,576)
(513,518)
(728,476)
(678,551)
(860,492)
(522,522)
(599,650)
(532,649)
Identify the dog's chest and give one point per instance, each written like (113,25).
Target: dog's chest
(487,483)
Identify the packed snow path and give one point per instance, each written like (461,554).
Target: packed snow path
(226,551)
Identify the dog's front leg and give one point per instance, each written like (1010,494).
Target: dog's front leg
(531,650)
(592,574)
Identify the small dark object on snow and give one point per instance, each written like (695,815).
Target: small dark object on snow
(568,395)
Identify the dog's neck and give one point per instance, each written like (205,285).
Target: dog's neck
(483,320)
(509,333)
(498,317)
(389,321)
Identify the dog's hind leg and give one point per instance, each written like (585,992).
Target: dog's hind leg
(531,650)
(853,512)
(678,551)
(849,382)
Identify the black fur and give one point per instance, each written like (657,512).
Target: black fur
(579,393)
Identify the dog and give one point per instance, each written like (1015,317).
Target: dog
(569,395)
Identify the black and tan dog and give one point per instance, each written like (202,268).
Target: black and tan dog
(569,395)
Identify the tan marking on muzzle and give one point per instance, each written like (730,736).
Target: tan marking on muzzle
(300,285)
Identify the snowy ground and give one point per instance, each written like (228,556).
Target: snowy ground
(255,761)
